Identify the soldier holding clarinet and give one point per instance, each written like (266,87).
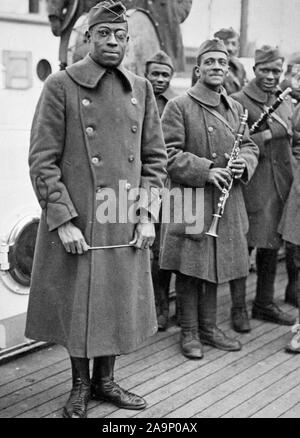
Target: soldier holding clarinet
(268,190)
(200,130)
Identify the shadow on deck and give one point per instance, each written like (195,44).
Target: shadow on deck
(261,380)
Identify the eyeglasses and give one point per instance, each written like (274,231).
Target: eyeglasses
(106,33)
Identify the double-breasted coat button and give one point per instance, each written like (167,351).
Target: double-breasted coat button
(210,129)
(95,160)
(214,155)
(89,130)
(131,158)
(133,101)
(134,128)
(85,102)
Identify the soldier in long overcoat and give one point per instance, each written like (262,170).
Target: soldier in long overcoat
(159,72)
(167,16)
(199,130)
(96,139)
(289,226)
(268,190)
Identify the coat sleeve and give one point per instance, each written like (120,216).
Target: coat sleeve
(153,157)
(296,131)
(183,9)
(46,148)
(258,137)
(183,167)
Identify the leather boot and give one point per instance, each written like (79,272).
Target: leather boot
(190,345)
(239,315)
(292,271)
(264,308)
(187,291)
(104,387)
(210,334)
(76,406)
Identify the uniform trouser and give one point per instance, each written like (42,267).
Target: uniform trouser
(238,293)
(291,258)
(266,264)
(197,301)
(160,278)
(161,284)
(295,252)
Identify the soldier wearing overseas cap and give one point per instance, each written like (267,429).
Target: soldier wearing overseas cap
(236,78)
(266,194)
(159,71)
(292,76)
(289,228)
(96,135)
(199,130)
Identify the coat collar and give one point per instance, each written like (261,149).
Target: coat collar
(256,93)
(208,97)
(169,94)
(88,73)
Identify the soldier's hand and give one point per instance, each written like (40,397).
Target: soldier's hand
(237,167)
(144,235)
(220,177)
(72,238)
(266,135)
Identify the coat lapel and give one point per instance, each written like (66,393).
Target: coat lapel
(88,73)
(208,97)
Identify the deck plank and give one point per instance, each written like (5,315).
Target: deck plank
(245,385)
(282,403)
(260,380)
(293,412)
(34,410)
(267,395)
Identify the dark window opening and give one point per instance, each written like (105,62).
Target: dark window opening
(43,69)
(21,254)
(34,6)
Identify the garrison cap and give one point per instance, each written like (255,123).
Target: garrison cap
(161,58)
(225,34)
(267,54)
(107,12)
(214,45)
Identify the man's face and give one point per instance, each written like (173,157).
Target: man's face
(267,75)
(160,76)
(212,69)
(108,43)
(232,46)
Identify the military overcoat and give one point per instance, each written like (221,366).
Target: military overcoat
(167,16)
(268,190)
(236,78)
(290,222)
(93,129)
(197,140)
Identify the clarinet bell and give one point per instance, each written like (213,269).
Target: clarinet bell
(214,226)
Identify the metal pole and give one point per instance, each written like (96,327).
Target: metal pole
(109,247)
(244,27)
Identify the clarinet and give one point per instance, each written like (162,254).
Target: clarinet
(213,230)
(266,114)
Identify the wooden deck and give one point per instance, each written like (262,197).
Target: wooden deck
(261,380)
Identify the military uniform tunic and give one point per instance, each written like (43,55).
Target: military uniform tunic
(93,128)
